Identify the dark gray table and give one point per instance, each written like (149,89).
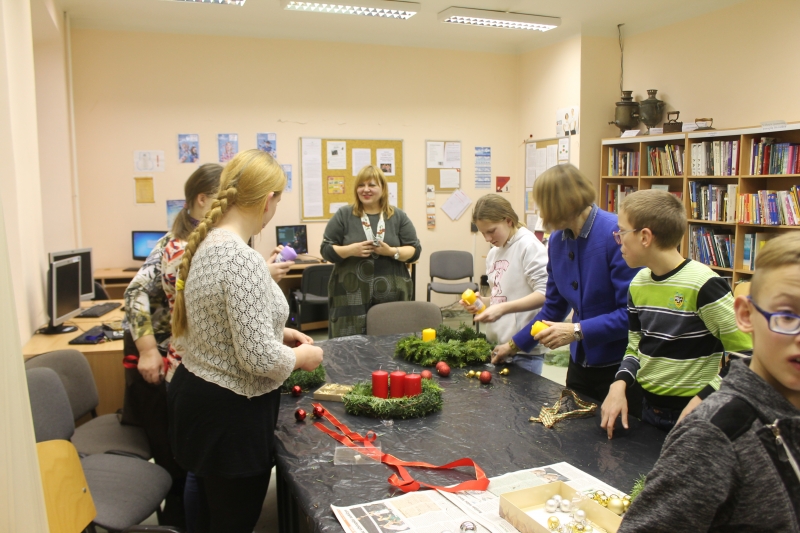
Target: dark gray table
(486,423)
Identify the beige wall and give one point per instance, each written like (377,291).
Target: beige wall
(21,497)
(735,65)
(138,91)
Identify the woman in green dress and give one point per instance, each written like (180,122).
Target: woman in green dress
(369,243)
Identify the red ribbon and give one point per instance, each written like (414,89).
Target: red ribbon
(403,479)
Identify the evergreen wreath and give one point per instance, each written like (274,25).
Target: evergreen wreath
(361,402)
(458,348)
(307,380)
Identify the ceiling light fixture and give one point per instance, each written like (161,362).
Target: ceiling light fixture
(498,19)
(226,2)
(392,9)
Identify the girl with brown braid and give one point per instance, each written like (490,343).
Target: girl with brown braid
(229,314)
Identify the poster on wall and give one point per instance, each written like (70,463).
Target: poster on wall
(483,167)
(568,121)
(188,147)
(228,146)
(385,158)
(287,169)
(148,161)
(144,190)
(337,155)
(502,184)
(173,208)
(267,142)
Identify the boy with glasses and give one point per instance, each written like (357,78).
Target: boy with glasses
(680,316)
(732,465)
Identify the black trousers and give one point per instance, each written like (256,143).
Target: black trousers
(594,382)
(232,505)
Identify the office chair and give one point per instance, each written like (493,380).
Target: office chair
(124,490)
(100,292)
(311,301)
(402,317)
(103,433)
(451,265)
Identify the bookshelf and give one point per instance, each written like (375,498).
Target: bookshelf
(730,181)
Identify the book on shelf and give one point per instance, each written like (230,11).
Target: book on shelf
(710,201)
(615,193)
(711,246)
(665,160)
(772,208)
(622,162)
(770,157)
(715,158)
(753,242)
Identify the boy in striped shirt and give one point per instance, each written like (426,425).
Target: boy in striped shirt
(680,315)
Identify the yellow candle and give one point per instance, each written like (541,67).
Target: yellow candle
(429,334)
(471,298)
(538,327)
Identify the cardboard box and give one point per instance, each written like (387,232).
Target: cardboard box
(332,392)
(515,506)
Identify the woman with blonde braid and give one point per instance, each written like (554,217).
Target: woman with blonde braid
(229,314)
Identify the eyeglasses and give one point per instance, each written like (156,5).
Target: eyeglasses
(780,322)
(618,234)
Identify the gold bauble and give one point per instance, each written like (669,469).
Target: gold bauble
(626,498)
(471,374)
(598,493)
(625,505)
(578,528)
(553,523)
(615,505)
(603,500)
(504,372)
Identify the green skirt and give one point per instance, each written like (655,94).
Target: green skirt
(357,284)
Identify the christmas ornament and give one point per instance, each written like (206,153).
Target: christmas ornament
(443,370)
(551,506)
(548,416)
(300,415)
(565,505)
(426,374)
(471,374)
(319,411)
(468,526)
(553,523)
(580,515)
(558,498)
(625,505)
(603,500)
(297,390)
(615,505)
(504,372)
(486,377)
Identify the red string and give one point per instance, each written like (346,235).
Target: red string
(403,479)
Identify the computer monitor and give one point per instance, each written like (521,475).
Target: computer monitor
(294,236)
(63,294)
(87,276)
(143,243)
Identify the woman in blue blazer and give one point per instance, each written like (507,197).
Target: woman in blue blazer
(586,275)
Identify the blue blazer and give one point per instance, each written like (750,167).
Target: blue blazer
(590,277)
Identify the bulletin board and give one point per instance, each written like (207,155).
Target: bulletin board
(331,187)
(536,162)
(433,174)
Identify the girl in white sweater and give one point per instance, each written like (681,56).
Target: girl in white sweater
(517,270)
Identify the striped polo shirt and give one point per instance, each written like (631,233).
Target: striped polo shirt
(680,324)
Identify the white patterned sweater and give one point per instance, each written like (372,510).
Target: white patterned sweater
(236,314)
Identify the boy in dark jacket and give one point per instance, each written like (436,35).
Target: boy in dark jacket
(732,464)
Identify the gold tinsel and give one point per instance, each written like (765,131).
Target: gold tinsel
(548,416)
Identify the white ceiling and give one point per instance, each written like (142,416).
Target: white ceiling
(266,19)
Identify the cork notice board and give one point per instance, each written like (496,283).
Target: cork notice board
(328,172)
(443,165)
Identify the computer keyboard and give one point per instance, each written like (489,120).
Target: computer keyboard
(99,310)
(305,261)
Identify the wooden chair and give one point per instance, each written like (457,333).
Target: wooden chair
(69,504)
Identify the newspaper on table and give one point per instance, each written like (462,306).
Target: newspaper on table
(436,511)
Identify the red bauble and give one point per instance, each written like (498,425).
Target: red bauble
(486,377)
(297,390)
(440,363)
(443,369)
(426,374)
(319,411)
(300,415)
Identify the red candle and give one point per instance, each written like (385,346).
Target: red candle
(380,384)
(398,383)
(413,385)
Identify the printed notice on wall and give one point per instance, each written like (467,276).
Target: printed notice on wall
(337,155)
(434,154)
(312,177)
(362,157)
(452,155)
(148,161)
(385,157)
(144,190)
(483,167)
(287,169)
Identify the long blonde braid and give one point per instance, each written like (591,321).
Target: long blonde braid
(265,176)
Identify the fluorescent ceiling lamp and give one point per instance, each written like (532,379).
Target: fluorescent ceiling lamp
(498,19)
(372,8)
(227,2)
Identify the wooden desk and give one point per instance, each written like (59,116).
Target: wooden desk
(105,359)
(114,280)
